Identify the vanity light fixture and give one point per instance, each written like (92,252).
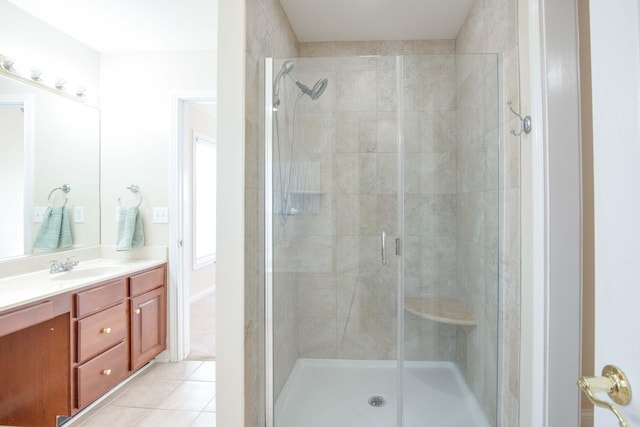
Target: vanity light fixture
(35,77)
(8,65)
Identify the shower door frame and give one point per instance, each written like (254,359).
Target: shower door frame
(268,242)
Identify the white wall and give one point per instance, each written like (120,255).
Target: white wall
(25,38)
(230,356)
(136,102)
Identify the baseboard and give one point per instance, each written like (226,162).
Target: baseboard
(586,418)
(202,294)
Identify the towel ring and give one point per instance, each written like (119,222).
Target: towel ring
(135,189)
(65,188)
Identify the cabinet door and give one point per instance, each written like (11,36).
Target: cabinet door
(148,327)
(34,374)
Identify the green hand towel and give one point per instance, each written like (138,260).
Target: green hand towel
(55,230)
(130,232)
(65,231)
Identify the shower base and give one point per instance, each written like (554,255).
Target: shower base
(336,393)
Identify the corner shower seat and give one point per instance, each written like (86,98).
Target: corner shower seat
(440,309)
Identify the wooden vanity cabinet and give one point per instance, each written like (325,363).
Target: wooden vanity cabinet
(148,306)
(119,326)
(61,353)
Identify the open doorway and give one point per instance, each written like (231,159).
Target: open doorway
(202,272)
(193,258)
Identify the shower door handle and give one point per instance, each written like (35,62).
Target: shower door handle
(383,244)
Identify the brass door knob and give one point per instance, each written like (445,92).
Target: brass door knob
(106,372)
(106,330)
(136,311)
(613,382)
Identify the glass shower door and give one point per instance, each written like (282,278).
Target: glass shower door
(382,241)
(333,162)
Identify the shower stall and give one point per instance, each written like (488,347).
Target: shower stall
(382,221)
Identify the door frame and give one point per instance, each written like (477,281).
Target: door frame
(551,217)
(179,228)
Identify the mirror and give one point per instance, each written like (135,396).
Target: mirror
(46,141)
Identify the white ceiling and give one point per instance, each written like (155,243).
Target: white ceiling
(143,25)
(131,25)
(361,20)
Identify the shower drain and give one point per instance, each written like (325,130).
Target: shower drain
(377,401)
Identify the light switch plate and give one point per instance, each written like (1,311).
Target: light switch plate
(78,214)
(160,215)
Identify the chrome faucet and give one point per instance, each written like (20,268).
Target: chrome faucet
(57,267)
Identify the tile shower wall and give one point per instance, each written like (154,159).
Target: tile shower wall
(268,34)
(492,27)
(429,85)
(345,298)
(477,224)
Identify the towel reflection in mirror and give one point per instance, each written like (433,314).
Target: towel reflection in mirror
(55,230)
(130,233)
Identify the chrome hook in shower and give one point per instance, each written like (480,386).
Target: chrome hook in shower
(525,122)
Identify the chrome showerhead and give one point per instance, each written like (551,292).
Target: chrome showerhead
(314,93)
(318,88)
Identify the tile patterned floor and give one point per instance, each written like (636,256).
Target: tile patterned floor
(166,394)
(203,328)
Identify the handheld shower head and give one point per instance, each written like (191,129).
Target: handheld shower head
(286,68)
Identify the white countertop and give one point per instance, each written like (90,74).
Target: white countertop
(25,288)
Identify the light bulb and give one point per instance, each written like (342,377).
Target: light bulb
(37,75)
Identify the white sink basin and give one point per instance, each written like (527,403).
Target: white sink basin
(84,273)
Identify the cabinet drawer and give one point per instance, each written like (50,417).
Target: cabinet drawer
(101,331)
(145,282)
(101,374)
(97,298)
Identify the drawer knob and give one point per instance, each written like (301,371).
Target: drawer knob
(106,330)
(136,311)
(106,372)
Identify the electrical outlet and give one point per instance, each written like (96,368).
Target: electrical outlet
(160,215)
(38,213)
(78,214)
